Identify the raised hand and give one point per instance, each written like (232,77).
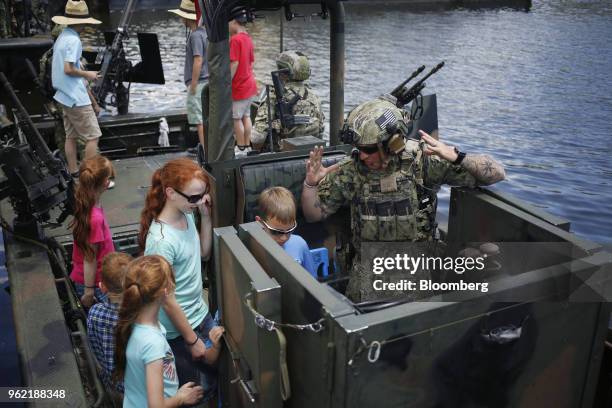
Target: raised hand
(438,148)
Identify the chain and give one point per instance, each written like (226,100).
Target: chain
(270,325)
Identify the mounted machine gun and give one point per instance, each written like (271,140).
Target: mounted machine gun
(36,180)
(406,95)
(115,68)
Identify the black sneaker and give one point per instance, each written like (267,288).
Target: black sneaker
(193,151)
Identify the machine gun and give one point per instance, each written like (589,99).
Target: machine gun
(115,68)
(284,107)
(405,95)
(36,180)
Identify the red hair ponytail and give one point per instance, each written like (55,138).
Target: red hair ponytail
(93,177)
(175,174)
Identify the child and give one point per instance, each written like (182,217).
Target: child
(167,228)
(244,87)
(195,74)
(92,236)
(144,359)
(103,317)
(68,78)
(277,209)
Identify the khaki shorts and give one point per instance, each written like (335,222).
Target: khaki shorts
(241,108)
(80,122)
(194,105)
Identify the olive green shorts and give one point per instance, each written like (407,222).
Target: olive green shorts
(194,105)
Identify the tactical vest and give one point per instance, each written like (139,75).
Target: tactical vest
(397,205)
(307,104)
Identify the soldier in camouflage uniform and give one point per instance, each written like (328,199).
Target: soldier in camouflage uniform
(308,103)
(390,184)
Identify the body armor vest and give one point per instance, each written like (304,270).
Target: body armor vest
(395,205)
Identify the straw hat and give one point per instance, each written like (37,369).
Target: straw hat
(76,13)
(186,10)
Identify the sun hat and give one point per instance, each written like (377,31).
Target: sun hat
(186,10)
(76,12)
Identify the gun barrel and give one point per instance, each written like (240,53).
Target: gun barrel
(22,115)
(412,76)
(433,71)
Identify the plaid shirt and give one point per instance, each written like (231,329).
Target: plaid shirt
(101,323)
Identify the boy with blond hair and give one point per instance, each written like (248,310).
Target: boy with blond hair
(103,317)
(277,211)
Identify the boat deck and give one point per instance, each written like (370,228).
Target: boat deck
(123,204)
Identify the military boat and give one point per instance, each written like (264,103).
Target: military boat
(536,338)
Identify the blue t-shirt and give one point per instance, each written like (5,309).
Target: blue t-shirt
(182,250)
(146,345)
(71,90)
(297,248)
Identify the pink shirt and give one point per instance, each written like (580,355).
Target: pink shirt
(101,238)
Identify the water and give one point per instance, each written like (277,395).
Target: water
(533,88)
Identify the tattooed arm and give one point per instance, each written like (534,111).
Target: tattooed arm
(484,168)
(311,205)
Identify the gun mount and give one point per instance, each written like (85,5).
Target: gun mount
(115,68)
(36,181)
(406,95)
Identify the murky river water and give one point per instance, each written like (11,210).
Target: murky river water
(534,88)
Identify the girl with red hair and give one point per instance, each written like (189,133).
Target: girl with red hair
(92,236)
(168,228)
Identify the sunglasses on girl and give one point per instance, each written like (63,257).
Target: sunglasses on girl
(193,199)
(275,231)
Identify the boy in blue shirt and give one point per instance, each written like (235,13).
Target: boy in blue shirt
(68,79)
(278,218)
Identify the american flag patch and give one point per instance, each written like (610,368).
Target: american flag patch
(386,119)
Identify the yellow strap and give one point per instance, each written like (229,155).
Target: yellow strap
(285,386)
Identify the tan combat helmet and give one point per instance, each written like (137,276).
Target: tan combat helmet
(376,122)
(297,64)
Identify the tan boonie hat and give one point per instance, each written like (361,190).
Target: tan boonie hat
(186,10)
(76,12)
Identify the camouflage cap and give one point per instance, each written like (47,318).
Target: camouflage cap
(372,121)
(297,64)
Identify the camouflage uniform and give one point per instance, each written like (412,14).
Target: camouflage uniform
(308,103)
(397,203)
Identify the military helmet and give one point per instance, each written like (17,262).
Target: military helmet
(297,64)
(373,122)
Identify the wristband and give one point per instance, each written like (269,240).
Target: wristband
(309,186)
(194,342)
(460,157)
